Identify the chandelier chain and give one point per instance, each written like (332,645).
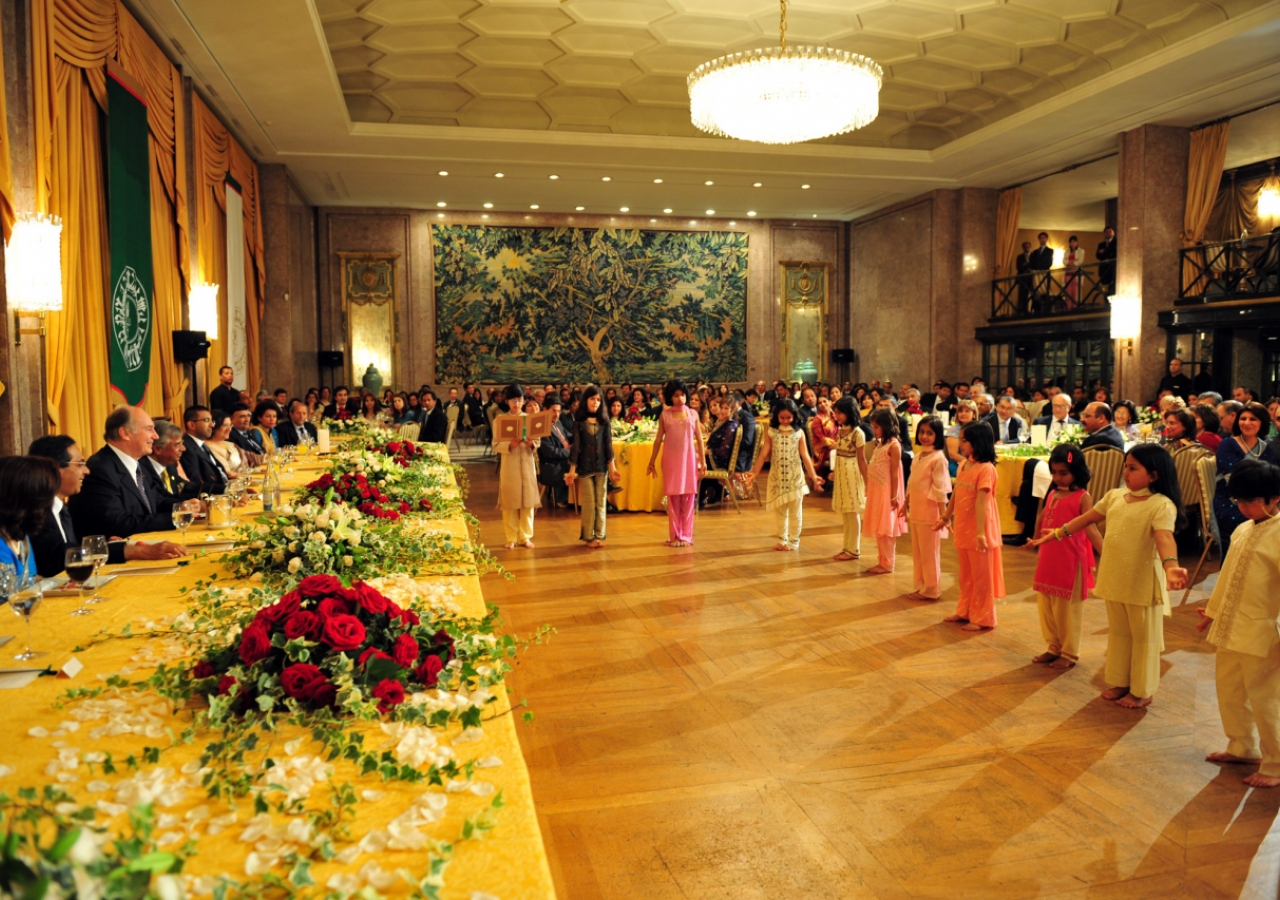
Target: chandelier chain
(782,25)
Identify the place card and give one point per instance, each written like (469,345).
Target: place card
(1039,435)
(322,440)
(146,570)
(213,546)
(12,679)
(71,668)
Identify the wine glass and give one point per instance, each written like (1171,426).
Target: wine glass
(23,601)
(79,565)
(182,518)
(99,552)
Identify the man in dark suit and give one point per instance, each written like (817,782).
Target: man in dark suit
(1024,278)
(1106,255)
(58,534)
(435,425)
(341,402)
(1006,425)
(293,428)
(242,437)
(747,423)
(1060,416)
(1041,261)
(224,396)
(165,465)
(1096,420)
(1176,381)
(198,461)
(553,456)
(118,498)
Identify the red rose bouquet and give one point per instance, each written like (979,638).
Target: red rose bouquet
(356,489)
(326,646)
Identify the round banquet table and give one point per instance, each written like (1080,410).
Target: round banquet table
(1008,485)
(641,492)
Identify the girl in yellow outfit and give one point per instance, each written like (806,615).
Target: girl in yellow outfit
(1138,569)
(1245,614)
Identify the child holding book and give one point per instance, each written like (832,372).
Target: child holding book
(927,491)
(1139,567)
(849,472)
(1244,613)
(679,440)
(786,475)
(517,479)
(886,496)
(975,522)
(1064,571)
(591,464)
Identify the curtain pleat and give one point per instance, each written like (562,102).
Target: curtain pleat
(1236,209)
(1204,174)
(1007,215)
(6,164)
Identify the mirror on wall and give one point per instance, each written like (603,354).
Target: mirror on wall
(369,312)
(804,324)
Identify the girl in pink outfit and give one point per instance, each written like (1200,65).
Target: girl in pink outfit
(926,499)
(886,515)
(1064,572)
(679,441)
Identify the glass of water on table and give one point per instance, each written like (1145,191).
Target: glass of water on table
(23,600)
(182,518)
(96,545)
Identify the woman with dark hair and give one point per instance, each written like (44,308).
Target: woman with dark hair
(1207,426)
(220,444)
(28,485)
(400,412)
(591,464)
(370,408)
(974,515)
(639,405)
(1179,429)
(1245,442)
(517,479)
(724,428)
(615,409)
(823,433)
(682,461)
(315,409)
(265,415)
(1126,419)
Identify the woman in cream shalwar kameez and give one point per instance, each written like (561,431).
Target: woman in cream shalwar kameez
(517,482)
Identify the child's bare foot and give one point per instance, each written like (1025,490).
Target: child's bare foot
(680,544)
(974,626)
(1114,693)
(1062,663)
(916,595)
(955,619)
(1132,702)
(528,545)
(1231,758)
(780,546)
(509,546)
(1045,658)
(878,570)
(1259,780)
(844,555)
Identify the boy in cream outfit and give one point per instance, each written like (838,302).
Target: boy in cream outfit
(1244,613)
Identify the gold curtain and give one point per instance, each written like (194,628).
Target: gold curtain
(6,164)
(1236,209)
(1007,215)
(1204,174)
(218,154)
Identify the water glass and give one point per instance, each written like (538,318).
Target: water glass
(182,518)
(24,601)
(99,552)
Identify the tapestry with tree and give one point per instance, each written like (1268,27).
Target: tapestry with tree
(606,305)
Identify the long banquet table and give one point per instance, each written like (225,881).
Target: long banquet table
(509,862)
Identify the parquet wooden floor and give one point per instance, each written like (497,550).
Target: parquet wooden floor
(732,722)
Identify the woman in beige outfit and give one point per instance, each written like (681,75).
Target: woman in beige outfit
(517,480)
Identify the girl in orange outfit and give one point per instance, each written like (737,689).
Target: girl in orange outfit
(976,523)
(927,491)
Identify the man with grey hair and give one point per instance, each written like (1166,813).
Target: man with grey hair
(1060,417)
(1210,398)
(1005,423)
(118,497)
(986,406)
(165,463)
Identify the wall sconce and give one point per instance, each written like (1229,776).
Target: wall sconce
(1126,320)
(1269,203)
(33,268)
(202,309)
(970,262)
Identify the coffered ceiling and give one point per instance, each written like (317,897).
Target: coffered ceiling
(619,66)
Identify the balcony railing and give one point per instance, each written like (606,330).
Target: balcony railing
(1231,270)
(1056,292)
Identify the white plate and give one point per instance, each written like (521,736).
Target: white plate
(146,570)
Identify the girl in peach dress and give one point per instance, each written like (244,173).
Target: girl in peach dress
(926,498)
(886,515)
(975,521)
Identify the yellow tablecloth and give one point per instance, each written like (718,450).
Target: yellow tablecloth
(641,492)
(510,862)
(1008,486)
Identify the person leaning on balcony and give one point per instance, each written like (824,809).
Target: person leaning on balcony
(1041,262)
(1106,255)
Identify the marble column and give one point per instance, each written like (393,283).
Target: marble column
(277,316)
(1153,194)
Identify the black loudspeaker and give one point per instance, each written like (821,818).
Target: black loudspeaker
(330,359)
(1026,349)
(842,355)
(189,346)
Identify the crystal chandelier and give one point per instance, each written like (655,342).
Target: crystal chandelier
(785,95)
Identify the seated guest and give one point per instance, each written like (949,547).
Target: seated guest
(965,411)
(28,487)
(808,406)
(986,408)
(315,409)
(58,534)
(553,454)
(1179,429)
(264,418)
(400,412)
(118,498)
(341,407)
(474,402)
(435,425)
(198,462)
(281,397)
(1096,419)
(1059,417)
(292,429)
(415,408)
(1007,425)
(1207,426)
(719,450)
(1125,418)
(1245,443)
(615,409)
(244,437)
(745,413)
(639,405)
(824,432)
(370,408)
(1227,412)
(224,451)
(172,481)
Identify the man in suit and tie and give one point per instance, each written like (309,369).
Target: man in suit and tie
(1006,425)
(224,396)
(118,497)
(1096,420)
(165,464)
(58,534)
(1041,261)
(435,425)
(242,437)
(1106,255)
(198,461)
(1060,417)
(342,404)
(293,428)
(1024,278)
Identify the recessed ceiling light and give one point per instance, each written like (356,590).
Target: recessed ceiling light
(757,184)
(708,183)
(533,206)
(606,178)
(804,187)
(498,175)
(652,221)
(752,213)
(579,208)
(488,206)
(692,222)
(657,181)
(626,209)
(441,204)
(442,173)
(484,215)
(667,211)
(731,224)
(555,177)
(439,215)
(815,215)
(711,212)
